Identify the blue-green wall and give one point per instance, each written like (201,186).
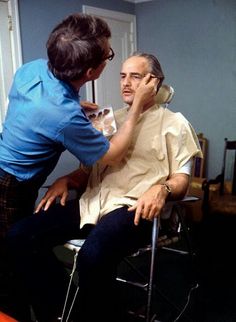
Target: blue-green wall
(37,18)
(195,41)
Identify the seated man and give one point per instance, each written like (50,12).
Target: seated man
(116,209)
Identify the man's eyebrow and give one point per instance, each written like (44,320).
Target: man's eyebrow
(132,74)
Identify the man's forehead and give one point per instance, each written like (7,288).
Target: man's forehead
(134,65)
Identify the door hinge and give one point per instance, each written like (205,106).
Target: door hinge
(10,26)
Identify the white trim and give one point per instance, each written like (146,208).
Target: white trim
(116,15)
(10,51)
(15,35)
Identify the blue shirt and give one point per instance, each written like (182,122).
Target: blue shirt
(43,119)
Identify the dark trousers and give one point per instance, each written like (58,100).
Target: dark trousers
(31,242)
(17,201)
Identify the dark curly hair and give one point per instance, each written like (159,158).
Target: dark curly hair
(75,45)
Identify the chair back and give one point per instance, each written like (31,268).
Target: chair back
(164,95)
(228,172)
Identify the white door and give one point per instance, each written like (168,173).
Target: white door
(123,42)
(10,50)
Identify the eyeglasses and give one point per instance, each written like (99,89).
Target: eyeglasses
(111,55)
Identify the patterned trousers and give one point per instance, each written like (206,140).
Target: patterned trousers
(17,200)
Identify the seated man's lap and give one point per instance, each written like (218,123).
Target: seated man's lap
(115,235)
(51,227)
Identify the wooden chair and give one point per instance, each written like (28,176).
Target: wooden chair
(223,201)
(217,241)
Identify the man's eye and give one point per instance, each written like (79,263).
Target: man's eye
(137,77)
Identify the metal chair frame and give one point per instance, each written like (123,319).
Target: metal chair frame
(178,208)
(76,244)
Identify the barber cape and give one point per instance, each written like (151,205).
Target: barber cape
(162,143)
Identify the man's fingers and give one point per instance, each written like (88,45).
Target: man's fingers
(138,214)
(39,207)
(48,204)
(147,78)
(44,204)
(63,199)
(132,208)
(88,105)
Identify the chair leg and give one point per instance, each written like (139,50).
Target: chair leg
(178,209)
(64,317)
(155,231)
(185,228)
(147,286)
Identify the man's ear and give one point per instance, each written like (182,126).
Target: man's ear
(89,73)
(158,85)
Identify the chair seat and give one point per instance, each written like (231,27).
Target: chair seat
(225,204)
(74,244)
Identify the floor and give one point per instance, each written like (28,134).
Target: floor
(204,291)
(184,291)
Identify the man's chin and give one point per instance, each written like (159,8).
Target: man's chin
(128,100)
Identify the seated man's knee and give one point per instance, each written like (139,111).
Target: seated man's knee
(18,236)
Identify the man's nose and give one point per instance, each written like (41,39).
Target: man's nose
(126,81)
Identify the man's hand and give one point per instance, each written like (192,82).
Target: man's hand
(58,189)
(77,180)
(88,106)
(146,89)
(150,204)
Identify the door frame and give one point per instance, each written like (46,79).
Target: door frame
(15,53)
(15,36)
(116,15)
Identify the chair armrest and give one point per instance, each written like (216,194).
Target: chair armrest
(207,183)
(206,187)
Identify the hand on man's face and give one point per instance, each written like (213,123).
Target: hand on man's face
(133,73)
(146,90)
